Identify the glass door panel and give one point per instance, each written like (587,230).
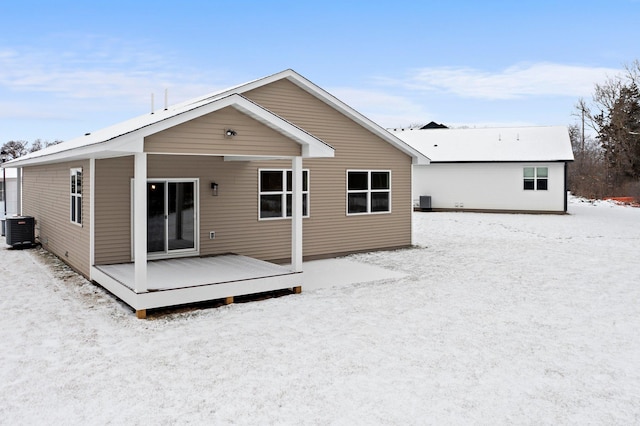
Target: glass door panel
(156,228)
(181,216)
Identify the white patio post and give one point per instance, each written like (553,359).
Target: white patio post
(296,214)
(140,222)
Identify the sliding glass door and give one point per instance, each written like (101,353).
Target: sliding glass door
(171,217)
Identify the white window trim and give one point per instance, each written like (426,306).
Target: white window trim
(535,178)
(369,191)
(284,193)
(73,197)
(179,252)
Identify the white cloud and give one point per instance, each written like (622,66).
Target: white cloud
(97,68)
(383,108)
(517,81)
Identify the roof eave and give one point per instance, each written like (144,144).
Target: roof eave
(133,141)
(416,156)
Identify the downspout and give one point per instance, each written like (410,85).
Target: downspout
(566,186)
(19,191)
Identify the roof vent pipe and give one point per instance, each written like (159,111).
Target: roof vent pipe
(166,99)
(152,108)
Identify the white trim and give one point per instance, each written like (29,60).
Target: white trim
(535,178)
(140,222)
(128,137)
(170,254)
(416,156)
(19,191)
(92,211)
(413,224)
(283,194)
(76,196)
(369,191)
(157,299)
(296,212)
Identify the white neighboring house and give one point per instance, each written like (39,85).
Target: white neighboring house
(519,169)
(10,197)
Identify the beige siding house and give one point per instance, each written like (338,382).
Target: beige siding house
(222,195)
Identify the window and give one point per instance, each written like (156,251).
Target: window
(536,178)
(276,193)
(368,191)
(76,196)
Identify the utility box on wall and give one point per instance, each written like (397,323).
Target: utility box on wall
(20,230)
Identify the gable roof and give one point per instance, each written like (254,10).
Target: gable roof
(507,144)
(126,137)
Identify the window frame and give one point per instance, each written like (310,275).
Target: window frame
(284,193)
(369,191)
(75,196)
(536,179)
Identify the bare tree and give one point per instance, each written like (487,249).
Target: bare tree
(587,174)
(15,149)
(614,115)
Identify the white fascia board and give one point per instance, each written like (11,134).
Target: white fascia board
(314,146)
(417,157)
(133,142)
(107,149)
(311,146)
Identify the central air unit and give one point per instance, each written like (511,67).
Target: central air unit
(20,230)
(425,203)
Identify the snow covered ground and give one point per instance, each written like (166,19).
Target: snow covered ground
(499,319)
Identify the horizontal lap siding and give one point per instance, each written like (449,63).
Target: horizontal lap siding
(205,135)
(233,214)
(113,210)
(329,230)
(46,197)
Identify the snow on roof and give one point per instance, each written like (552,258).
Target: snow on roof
(550,143)
(120,129)
(90,142)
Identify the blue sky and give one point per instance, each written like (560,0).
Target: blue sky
(71,67)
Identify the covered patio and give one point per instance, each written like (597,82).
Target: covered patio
(147,282)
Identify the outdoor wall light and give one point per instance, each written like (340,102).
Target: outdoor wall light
(214,189)
(229,133)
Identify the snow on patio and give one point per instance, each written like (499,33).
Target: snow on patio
(498,319)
